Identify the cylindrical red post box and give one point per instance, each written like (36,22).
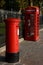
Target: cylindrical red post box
(12,39)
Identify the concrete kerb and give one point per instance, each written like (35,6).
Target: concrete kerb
(41,29)
(2,49)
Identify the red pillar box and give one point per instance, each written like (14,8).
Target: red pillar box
(12,39)
(31,23)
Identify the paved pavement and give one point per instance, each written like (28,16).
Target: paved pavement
(31,53)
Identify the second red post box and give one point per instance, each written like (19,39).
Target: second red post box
(12,39)
(31,23)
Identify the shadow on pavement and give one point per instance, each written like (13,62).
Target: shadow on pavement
(2,58)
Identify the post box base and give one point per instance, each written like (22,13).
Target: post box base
(12,57)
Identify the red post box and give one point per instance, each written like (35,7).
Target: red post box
(12,39)
(31,23)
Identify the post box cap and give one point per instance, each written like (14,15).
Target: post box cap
(16,20)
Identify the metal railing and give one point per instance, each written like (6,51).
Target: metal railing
(8,14)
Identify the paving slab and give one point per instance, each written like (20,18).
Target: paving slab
(31,53)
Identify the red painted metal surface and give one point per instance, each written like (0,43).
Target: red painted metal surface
(12,35)
(31,23)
